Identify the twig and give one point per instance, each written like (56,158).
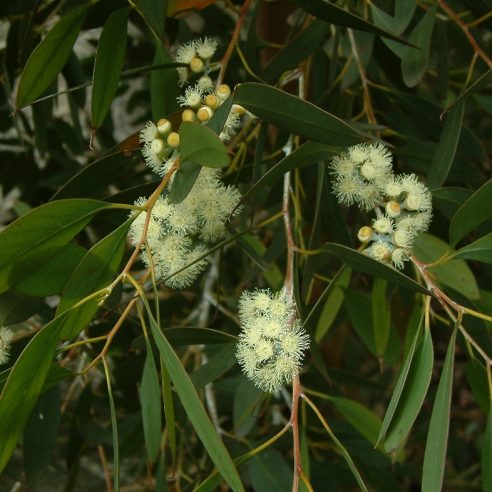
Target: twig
(234,38)
(465,28)
(105,467)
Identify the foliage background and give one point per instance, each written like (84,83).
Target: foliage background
(362,329)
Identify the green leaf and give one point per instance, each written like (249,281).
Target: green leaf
(40,434)
(334,14)
(364,264)
(183,181)
(381,316)
(49,56)
(454,273)
(333,303)
(33,238)
(108,64)
(400,384)
(269,472)
(479,250)
(217,122)
(476,210)
(163,102)
(154,13)
(195,411)
(414,60)
(487,456)
(200,145)
(53,275)
(151,406)
(411,396)
(307,154)
(220,363)
(437,438)
(481,82)
(295,115)
(358,308)
(359,417)
(296,51)
(94,272)
(246,398)
(24,384)
(446,149)
(197,336)
(94,179)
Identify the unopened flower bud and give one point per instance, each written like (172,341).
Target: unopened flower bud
(196,65)
(223,91)
(393,208)
(164,126)
(365,234)
(212,101)
(239,110)
(188,115)
(173,140)
(204,113)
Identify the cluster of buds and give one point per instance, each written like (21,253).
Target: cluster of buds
(197,54)
(178,234)
(272,342)
(402,204)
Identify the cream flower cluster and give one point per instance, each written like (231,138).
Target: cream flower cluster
(160,141)
(6,336)
(272,342)
(197,55)
(178,234)
(402,204)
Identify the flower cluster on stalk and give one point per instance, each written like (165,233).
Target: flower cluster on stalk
(272,342)
(178,234)
(402,203)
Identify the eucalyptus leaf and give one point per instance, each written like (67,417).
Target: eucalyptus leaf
(295,115)
(47,60)
(437,437)
(415,59)
(476,210)
(108,65)
(364,264)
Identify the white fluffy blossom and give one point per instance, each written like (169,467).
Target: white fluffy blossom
(363,175)
(206,47)
(6,336)
(272,342)
(177,234)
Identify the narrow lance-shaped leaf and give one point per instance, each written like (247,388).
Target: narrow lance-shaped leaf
(476,210)
(151,405)
(108,65)
(295,115)
(381,317)
(414,60)
(364,264)
(307,154)
(479,250)
(194,409)
(400,384)
(332,13)
(49,56)
(437,438)
(31,239)
(96,270)
(413,394)
(24,385)
(446,150)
